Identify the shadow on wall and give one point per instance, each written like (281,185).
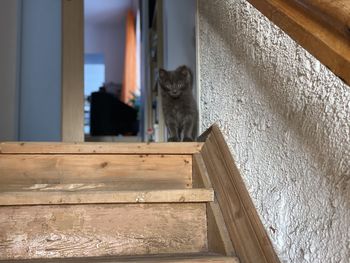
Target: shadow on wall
(314,106)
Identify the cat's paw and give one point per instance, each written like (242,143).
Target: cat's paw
(173,139)
(188,139)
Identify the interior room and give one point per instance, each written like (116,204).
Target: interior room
(111,64)
(96,165)
(60,64)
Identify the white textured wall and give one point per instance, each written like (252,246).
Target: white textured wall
(287,121)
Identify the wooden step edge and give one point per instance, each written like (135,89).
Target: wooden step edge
(94,197)
(218,238)
(142,259)
(98,148)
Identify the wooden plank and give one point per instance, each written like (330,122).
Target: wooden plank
(250,241)
(130,172)
(40,197)
(335,13)
(320,39)
(218,238)
(97,148)
(190,258)
(200,177)
(94,230)
(73,70)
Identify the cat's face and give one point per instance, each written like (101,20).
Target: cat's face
(175,82)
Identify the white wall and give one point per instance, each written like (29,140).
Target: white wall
(179,34)
(40,71)
(8,69)
(286,119)
(109,40)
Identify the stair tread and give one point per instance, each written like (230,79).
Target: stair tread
(100,147)
(191,258)
(42,194)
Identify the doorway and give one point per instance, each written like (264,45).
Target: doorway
(111,75)
(156,23)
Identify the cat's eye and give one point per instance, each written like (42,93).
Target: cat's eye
(167,85)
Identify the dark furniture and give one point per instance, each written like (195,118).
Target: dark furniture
(110,116)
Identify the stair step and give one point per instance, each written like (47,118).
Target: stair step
(91,230)
(127,171)
(192,258)
(44,194)
(100,148)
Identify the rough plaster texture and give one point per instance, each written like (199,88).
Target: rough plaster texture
(286,118)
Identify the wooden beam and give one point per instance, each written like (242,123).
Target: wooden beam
(72,71)
(98,148)
(101,195)
(334,13)
(322,39)
(250,240)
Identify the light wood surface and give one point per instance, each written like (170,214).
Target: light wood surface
(38,195)
(96,148)
(250,241)
(130,172)
(200,177)
(218,238)
(321,39)
(190,258)
(95,230)
(72,70)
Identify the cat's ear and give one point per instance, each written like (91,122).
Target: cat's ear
(162,73)
(183,70)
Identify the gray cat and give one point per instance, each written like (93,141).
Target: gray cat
(179,106)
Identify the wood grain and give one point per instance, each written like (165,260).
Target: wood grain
(40,196)
(321,39)
(250,241)
(336,13)
(97,148)
(188,258)
(129,171)
(218,238)
(73,70)
(200,177)
(94,230)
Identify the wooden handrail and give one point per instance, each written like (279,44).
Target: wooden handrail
(334,13)
(320,26)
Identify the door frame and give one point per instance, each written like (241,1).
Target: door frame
(72,122)
(73,72)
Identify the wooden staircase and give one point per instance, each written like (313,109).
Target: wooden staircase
(95,202)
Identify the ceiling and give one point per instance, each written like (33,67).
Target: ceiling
(106,11)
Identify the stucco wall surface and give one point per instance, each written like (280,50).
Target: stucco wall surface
(286,118)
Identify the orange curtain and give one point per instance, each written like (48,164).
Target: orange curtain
(129,83)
